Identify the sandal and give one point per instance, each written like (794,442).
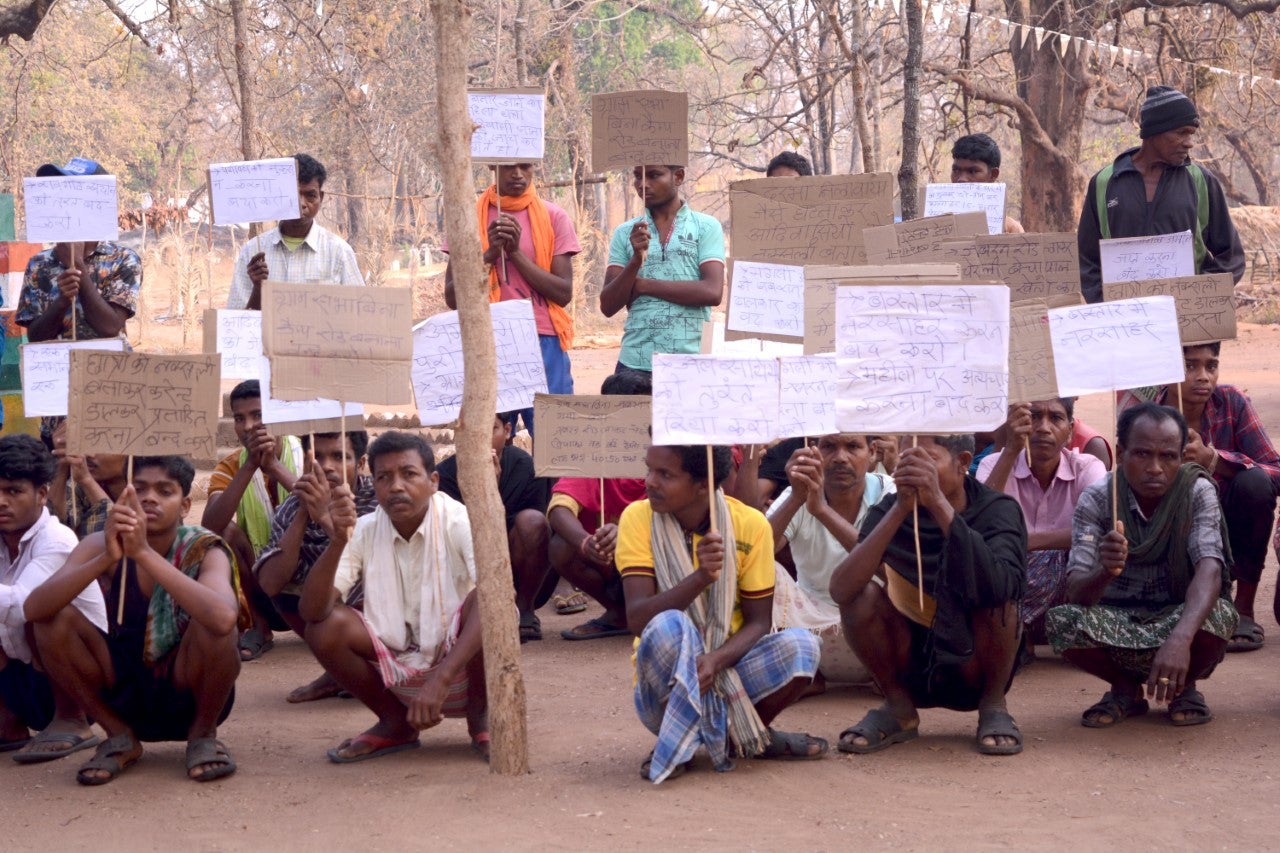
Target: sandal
(1116,707)
(530,627)
(111,757)
(676,772)
(11,745)
(567,605)
(595,629)
(1248,636)
(254,643)
(35,755)
(209,750)
(881,731)
(380,746)
(997,722)
(793,746)
(480,745)
(1190,702)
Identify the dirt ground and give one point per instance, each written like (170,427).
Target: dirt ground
(1144,782)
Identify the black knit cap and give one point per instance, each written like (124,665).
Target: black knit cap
(1165,109)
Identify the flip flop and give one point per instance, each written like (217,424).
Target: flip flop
(1190,702)
(1247,637)
(597,629)
(381,746)
(530,628)
(110,758)
(1118,708)
(793,746)
(35,756)
(209,750)
(881,730)
(997,722)
(567,605)
(254,644)
(11,745)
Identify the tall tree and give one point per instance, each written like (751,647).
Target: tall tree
(909,171)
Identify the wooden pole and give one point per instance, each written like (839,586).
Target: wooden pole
(124,561)
(1114,472)
(342,440)
(509,756)
(711,488)
(644,188)
(602,515)
(502,261)
(915,517)
(74,251)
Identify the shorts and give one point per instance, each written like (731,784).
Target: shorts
(27,694)
(148,703)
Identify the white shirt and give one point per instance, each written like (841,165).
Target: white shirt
(43,550)
(323,258)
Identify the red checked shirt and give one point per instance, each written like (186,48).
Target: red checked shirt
(1231,425)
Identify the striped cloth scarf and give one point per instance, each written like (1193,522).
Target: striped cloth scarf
(712,612)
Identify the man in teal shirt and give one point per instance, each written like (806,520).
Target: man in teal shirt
(667,285)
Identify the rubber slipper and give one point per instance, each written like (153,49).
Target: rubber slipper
(381,746)
(1248,636)
(209,750)
(11,745)
(35,756)
(254,644)
(793,746)
(480,745)
(1190,702)
(1118,708)
(110,758)
(881,731)
(597,630)
(997,722)
(567,605)
(530,628)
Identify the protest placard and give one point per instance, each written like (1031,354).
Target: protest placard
(811,220)
(437,362)
(1142,258)
(1112,346)
(591,435)
(143,405)
(46,373)
(299,417)
(714,343)
(904,242)
(712,399)
(766,301)
(509,125)
(1206,303)
(353,344)
(254,191)
(930,357)
(639,128)
(820,294)
(1035,266)
(807,395)
(237,337)
(1031,372)
(71,210)
(959,198)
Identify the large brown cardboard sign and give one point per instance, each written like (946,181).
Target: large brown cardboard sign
(639,128)
(591,435)
(1206,303)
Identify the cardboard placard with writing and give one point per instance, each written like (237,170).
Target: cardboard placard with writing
(591,435)
(1112,346)
(299,417)
(810,220)
(715,341)
(820,284)
(1206,303)
(712,399)
(1032,375)
(353,344)
(236,335)
(1035,266)
(46,374)
(254,191)
(143,405)
(71,209)
(905,242)
(766,301)
(509,125)
(639,128)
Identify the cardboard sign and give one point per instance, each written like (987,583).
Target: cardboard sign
(1206,303)
(1143,258)
(716,341)
(959,198)
(924,358)
(46,374)
(639,128)
(591,435)
(298,417)
(237,337)
(903,242)
(711,399)
(143,405)
(437,362)
(765,301)
(509,125)
(1032,376)
(1035,266)
(1112,346)
(820,284)
(811,220)
(807,395)
(254,191)
(71,210)
(328,341)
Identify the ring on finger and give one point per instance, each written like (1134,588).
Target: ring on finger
(1164,680)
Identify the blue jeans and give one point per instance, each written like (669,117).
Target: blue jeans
(559,379)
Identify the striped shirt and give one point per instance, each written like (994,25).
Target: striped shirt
(323,258)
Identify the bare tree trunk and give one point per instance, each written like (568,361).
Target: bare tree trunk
(908,172)
(244,82)
(505,685)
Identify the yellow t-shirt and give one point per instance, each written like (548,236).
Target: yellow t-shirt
(634,554)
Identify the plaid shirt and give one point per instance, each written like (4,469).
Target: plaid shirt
(314,539)
(323,258)
(115,270)
(1140,586)
(1234,429)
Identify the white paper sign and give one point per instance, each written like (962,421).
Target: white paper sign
(1142,258)
(437,362)
(71,210)
(807,395)
(46,374)
(1111,346)
(711,399)
(713,342)
(959,198)
(767,299)
(286,411)
(254,191)
(509,126)
(921,358)
(239,343)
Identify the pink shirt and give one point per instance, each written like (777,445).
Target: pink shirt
(1051,509)
(566,244)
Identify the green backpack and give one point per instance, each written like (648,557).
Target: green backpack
(1202,208)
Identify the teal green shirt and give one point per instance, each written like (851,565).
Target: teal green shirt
(653,324)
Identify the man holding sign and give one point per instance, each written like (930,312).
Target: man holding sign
(296,250)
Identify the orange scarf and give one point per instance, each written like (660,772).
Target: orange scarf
(544,243)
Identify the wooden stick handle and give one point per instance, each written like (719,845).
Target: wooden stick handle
(342,419)
(711,488)
(915,518)
(602,515)
(74,250)
(124,561)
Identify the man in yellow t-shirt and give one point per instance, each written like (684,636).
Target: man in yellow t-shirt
(691,584)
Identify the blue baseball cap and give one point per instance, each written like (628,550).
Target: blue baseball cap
(75,167)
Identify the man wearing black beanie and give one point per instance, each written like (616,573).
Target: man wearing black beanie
(1156,189)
